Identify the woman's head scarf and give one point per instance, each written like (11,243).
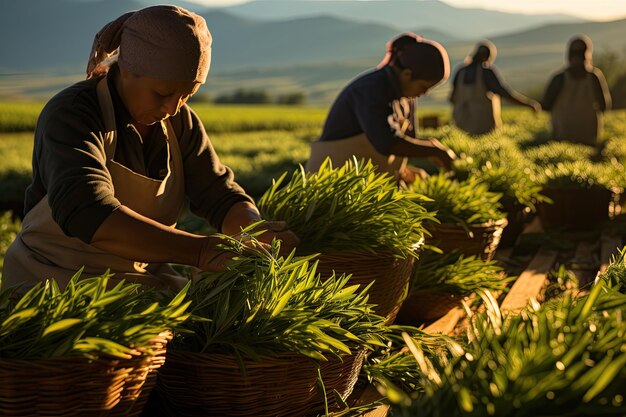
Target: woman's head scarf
(165,42)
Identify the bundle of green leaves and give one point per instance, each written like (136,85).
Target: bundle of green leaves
(86,319)
(455,274)
(497,162)
(554,152)
(265,304)
(565,358)
(615,273)
(578,174)
(463,203)
(351,209)
(394,367)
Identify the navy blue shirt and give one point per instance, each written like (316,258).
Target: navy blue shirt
(365,106)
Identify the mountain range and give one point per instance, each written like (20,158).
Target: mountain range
(300,48)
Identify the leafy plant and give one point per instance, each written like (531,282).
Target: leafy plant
(497,161)
(264,304)
(348,209)
(615,273)
(564,358)
(578,174)
(452,273)
(394,367)
(463,203)
(554,152)
(87,318)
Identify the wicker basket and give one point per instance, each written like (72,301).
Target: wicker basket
(200,384)
(575,208)
(427,305)
(341,376)
(483,242)
(391,277)
(142,379)
(76,386)
(516,217)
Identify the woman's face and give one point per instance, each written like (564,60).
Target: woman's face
(151,100)
(416,88)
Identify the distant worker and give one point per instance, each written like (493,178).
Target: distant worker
(577,96)
(476,92)
(373,117)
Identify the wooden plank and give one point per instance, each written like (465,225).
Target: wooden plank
(369,395)
(530,283)
(584,263)
(445,325)
(609,245)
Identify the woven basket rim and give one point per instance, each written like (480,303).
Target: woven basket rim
(136,353)
(288,356)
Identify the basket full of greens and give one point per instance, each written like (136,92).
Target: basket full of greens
(358,220)
(469,215)
(441,281)
(265,335)
(92,348)
(581,192)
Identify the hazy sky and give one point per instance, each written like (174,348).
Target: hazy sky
(590,9)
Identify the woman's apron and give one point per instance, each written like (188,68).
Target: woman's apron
(342,150)
(476,110)
(42,250)
(575,115)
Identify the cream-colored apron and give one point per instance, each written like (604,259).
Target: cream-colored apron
(343,150)
(476,110)
(576,116)
(41,250)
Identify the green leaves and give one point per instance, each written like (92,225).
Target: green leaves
(269,305)
(566,357)
(452,273)
(459,202)
(89,317)
(347,209)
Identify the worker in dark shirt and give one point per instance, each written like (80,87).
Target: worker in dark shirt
(373,117)
(476,92)
(116,156)
(577,96)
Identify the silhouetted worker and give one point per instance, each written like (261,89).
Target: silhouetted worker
(476,92)
(577,96)
(373,116)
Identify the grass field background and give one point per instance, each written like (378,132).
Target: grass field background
(258,142)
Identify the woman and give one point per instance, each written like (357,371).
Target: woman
(116,156)
(373,117)
(577,96)
(476,92)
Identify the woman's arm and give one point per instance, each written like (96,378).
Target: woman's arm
(130,235)
(495,84)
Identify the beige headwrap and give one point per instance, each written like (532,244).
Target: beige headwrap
(165,42)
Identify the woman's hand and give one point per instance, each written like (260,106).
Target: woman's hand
(211,257)
(534,105)
(243,214)
(278,230)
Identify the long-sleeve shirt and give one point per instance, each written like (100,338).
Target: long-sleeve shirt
(69,161)
(600,90)
(365,106)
